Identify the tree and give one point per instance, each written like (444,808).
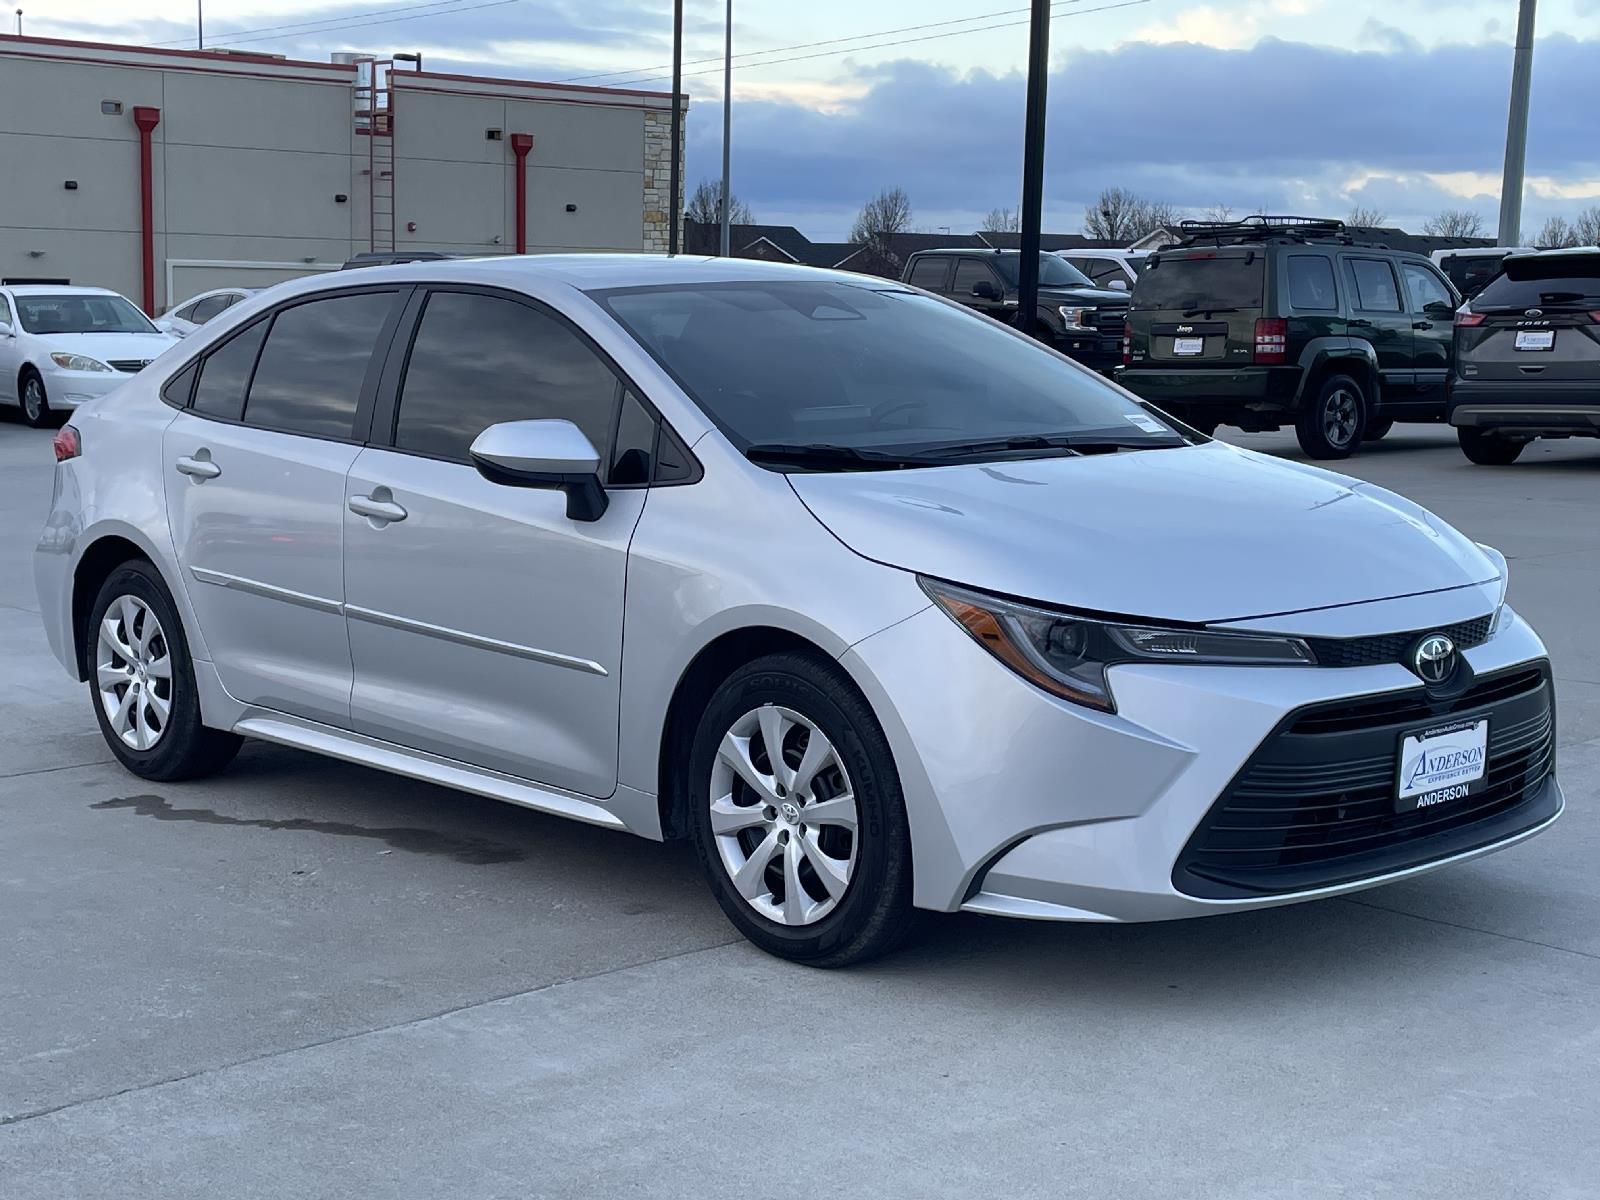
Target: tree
(1586,226)
(1555,234)
(1002,220)
(1454,222)
(705,205)
(1120,216)
(1365,217)
(889,212)
(1218,212)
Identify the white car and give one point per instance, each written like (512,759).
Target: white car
(64,346)
(1107,267)
(197,310)
(882,602)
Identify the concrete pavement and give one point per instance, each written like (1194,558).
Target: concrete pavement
(302,978)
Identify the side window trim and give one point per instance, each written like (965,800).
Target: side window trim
(385,414)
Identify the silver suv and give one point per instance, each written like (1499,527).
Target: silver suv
(882,602)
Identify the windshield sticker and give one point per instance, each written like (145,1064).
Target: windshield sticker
(1146,423)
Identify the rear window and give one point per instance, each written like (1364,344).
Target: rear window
(1207,281)
(1540,280)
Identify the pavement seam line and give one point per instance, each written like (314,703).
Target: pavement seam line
(97,762)
(19,1118)
(1510,937)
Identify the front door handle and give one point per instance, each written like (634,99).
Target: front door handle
(1422,324)
(378,506)
(198,466)
(1358,323)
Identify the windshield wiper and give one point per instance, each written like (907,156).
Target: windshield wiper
(1066,442)
(1194,312)
(824,456)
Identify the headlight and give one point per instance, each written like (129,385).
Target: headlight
(77,362)
(1076,318)
(1068,655)
(1500,609)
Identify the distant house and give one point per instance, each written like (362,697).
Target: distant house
(886,255)
(769,243)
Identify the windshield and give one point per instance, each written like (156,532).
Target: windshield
(866,366)
(1200,281)
(1053,271)
(80,313)
(1534,280)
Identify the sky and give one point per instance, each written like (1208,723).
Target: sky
(1292,106)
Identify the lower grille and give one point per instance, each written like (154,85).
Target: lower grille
(129,366)
(1315,805)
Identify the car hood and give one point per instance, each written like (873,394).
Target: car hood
(1082,295)
(1196,534)
(106,346)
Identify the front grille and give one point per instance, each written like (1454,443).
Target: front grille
(1392,647)
(1315,805)
(129,366)
(1109,320)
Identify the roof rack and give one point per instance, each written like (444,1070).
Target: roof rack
(1262,228)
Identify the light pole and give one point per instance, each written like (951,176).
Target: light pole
(674,216)
(1517,129)
(199,24)
(727,130)
(1033,166)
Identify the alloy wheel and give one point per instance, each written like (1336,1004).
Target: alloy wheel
(133,672)
(1339,417)
(783,816)
(33,399)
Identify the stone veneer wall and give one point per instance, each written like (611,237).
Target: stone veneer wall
(658,178)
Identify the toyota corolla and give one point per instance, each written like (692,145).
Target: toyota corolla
(882,603)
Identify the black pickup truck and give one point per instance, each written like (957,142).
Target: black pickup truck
(1076,317)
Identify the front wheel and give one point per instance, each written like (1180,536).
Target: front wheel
(1488,449)
(34,400)
(798,816)
(142,681)
(1331,425)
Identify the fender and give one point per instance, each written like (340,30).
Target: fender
(1325,351)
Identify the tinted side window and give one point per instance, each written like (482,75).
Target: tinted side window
(310,373)
(176,393)
(206,309)
(969,272)
(635,447)
(226,373)
(1311,282)
(929,273)
(1103,270)
(1376,289)
(479,360)
(1425,288)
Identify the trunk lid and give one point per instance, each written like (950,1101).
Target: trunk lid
(1198,307)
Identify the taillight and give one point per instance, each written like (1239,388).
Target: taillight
(1470,318)
(1595,317)
(1272,339)
(67,444)
(1127,343)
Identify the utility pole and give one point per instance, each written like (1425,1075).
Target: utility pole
(1033,166)
(727,131)
(1517,129)
(673,207)
(199,24)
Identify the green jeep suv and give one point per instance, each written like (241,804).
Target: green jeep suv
(1275,321)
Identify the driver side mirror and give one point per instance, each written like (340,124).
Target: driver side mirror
(5,329)
(544,454)
(1439,309)
(1118,285)
(985,290)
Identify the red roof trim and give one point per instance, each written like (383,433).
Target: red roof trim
(206,55)
(529,83)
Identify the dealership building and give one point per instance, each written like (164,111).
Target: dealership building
(162,173)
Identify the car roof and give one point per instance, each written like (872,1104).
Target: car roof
(57,289)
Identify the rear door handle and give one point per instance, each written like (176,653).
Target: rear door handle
(378,506)
(199,466)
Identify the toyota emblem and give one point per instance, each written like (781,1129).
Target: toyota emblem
(1434,659)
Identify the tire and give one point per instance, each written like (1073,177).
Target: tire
(34,399)
(1489,449)
(867,910)
(1331,425)
(120,642)
(1377,431)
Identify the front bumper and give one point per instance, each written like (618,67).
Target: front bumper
(1094,350)
(69,389)
(1534,407)
(1028,806)
(1218,393)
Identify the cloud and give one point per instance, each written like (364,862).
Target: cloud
(1279,123)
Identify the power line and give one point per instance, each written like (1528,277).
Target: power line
(1082,12)
(437,8)
(693,62)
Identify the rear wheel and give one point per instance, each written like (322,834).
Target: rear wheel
(142,681)
(1377,431)
(33,398)
(1331,425)
(797,814)
(1487,448)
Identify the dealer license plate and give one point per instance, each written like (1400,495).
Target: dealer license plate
(1441,764)
(1189,345)
(1536,339)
